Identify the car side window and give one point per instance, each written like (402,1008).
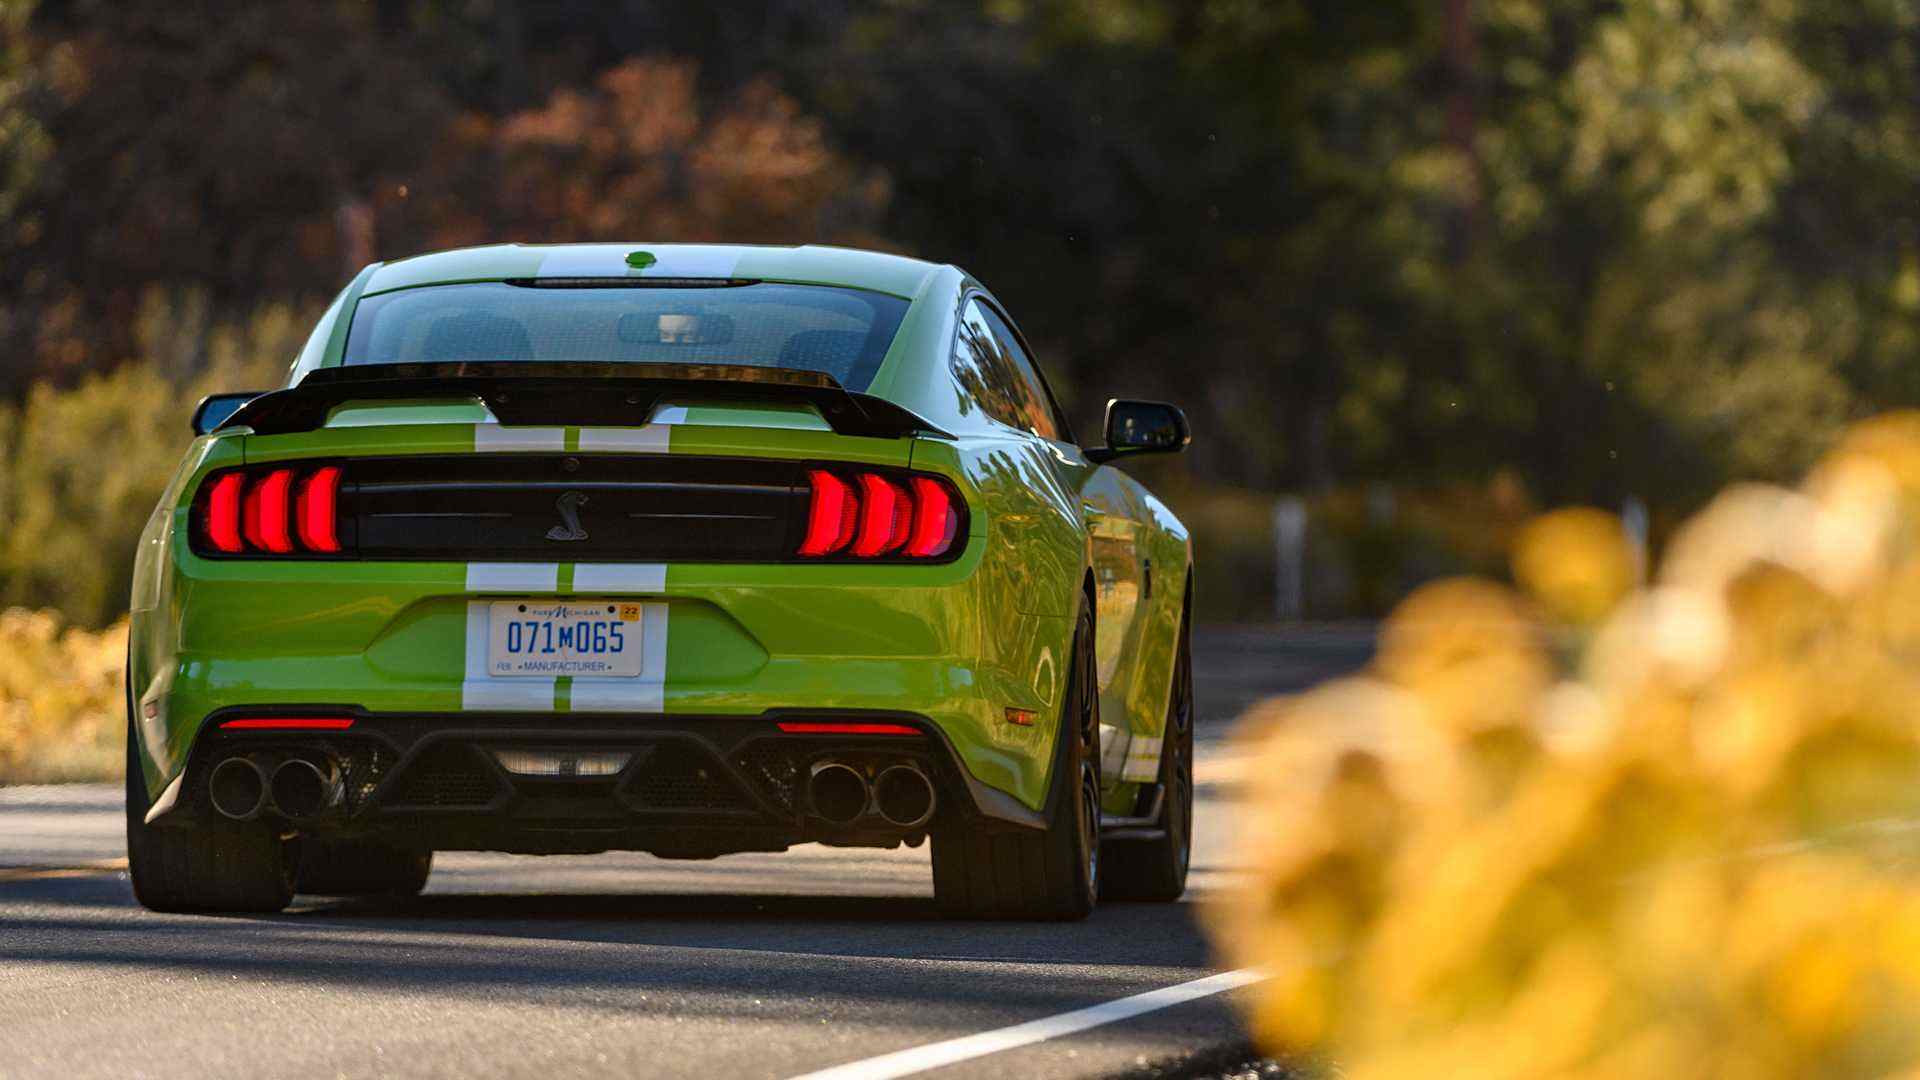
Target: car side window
(996,377)
(1044,408)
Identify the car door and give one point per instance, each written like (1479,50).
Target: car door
(1112,516)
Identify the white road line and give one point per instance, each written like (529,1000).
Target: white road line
(968,1047)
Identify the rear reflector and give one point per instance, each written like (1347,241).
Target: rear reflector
(288,723)
(877,516)
(844,727)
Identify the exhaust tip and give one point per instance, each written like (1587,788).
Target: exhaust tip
(302,789)
(904,796)
(837,792)
(238,789)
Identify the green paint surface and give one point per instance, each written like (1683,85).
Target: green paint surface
(958,643)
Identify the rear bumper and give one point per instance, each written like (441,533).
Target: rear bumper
(690,788)
(733,642)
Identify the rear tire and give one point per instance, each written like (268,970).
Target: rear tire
(1156,869)
(360,868)
(216,866)
(1052,873)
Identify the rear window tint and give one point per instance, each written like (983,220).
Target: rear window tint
(842,332)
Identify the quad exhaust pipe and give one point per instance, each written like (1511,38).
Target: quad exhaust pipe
(302,789)
(901,795)
(238,788)
(838,793)
(904,796)
(299,789)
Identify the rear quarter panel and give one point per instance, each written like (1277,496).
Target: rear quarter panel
(1166,542)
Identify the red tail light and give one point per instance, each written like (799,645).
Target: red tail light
(830,516)
(883,527)
(223,513)
(918,518)
(934,519)
(317,510)
(284,511)
(274,499)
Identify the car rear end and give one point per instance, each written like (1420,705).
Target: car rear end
(754,655)
(715,617)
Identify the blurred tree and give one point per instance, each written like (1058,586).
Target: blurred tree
(1610,246)
(197,143)
(81,469)
(639,155)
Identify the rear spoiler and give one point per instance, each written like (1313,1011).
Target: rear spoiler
(585,395)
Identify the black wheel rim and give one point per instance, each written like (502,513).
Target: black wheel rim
(1089,733)
(1180,758)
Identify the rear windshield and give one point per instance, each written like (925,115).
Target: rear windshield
(842,332)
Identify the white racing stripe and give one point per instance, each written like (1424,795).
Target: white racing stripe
(478,689)
(617,579)
(968,1047)
(494,438)
(643,693)
(513,577)
(650,439)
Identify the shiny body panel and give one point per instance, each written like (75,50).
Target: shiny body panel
(959,643)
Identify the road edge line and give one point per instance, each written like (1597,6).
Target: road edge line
(967,1047)
(11,874)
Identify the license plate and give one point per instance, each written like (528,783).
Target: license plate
(594,639)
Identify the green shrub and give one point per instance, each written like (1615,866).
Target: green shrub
(81,468)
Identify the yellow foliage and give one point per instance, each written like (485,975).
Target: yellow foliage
(62,707)
(1686,849)
(1577,561)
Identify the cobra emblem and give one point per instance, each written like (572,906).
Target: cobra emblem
(569,507)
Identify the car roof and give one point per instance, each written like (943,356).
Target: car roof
(811,264)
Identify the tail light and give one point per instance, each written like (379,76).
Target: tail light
(319,510)
(876,516)
(280,511)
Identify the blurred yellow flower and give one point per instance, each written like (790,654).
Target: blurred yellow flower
(1577,562)
(1688,848)
(62,707)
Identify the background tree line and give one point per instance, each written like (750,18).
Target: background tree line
(1496,253)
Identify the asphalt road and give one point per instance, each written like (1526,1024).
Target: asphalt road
(749,965)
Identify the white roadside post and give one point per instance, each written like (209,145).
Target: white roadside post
(1633,519)
(1289,557)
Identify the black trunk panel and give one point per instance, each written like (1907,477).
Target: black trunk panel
(582,507)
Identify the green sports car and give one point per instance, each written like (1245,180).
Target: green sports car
(683,549)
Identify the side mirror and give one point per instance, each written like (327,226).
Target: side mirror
(1142,427)
(214,409)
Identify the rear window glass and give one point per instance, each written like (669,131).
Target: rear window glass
(842,332)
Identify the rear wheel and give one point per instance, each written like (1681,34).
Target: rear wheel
(215,866)
(362,868)
(1155,868)
(1048,874)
